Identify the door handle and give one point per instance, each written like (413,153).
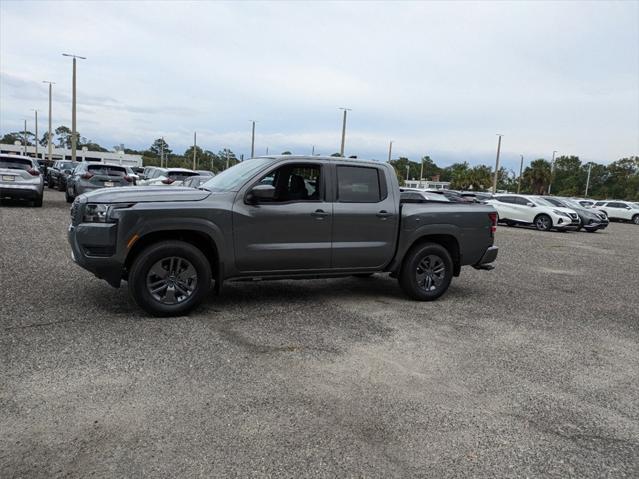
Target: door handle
(319,214)
(384,214)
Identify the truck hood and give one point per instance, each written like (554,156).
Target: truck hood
(142,194)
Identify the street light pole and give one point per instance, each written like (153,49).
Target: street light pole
(407,172)
(74,132)
(49,133)
(497,163)
(341,150)
(253,139)
(194,150)
(421,173)
(25,138)
(521,166)
(390,150)
(226,150)
(36,133)
(552,169)
(588,178)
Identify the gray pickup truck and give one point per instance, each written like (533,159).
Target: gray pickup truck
(274,218)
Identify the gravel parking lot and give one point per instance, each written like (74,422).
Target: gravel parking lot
(529,370)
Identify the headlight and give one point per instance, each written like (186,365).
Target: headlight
(561,213)
(96,213)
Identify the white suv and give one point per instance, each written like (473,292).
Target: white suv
(620,210)
(533,210)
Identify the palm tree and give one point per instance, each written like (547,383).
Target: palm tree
(537,176)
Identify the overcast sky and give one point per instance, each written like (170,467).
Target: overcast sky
(437,78)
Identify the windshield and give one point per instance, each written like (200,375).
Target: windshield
(233,178)
(572,204)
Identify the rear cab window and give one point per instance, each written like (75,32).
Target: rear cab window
(180,175)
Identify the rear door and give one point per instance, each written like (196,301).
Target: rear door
(365,217)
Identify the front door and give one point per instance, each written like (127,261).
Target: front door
(290,232)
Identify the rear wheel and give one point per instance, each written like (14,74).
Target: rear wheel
(543,222)
(169,278)
(426,272)
(67,196)
(38,201)
(635,219)
(60,186)
(50,183)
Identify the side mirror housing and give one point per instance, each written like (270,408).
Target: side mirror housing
(261,193)
(532,205)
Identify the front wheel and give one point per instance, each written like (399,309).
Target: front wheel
(69,198)
(543,222)
(170,278)
(427,272)
(635,219)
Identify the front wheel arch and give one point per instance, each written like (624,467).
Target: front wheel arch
(539,219)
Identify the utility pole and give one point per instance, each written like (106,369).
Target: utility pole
(49,134)
(194,150)
(588,178)
(341,150)
(253,139)
(390,150)
(313,151)
(36,133)
(497,164)
(267,151)
(25,138)
(226,150)
(407,171)
(552,169)
(74,131)
(521,166)
(162,153)
(421,173)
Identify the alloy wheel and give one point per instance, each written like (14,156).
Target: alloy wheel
(430,272)
(543,223)
(171,280)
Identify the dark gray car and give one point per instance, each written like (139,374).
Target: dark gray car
(272,218)
(92,176)
(591,220)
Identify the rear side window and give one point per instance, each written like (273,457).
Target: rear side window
(358,184)
(107,170)
(505,199)
(15,163)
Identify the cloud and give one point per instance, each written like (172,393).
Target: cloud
(437,78)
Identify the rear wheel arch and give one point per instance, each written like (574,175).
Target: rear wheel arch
(448,241)
(200,240)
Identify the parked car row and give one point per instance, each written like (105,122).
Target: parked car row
(155,176)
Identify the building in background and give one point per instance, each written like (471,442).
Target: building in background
(83,154)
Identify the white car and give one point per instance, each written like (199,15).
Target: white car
(533,210)
(168,177)
(620,210)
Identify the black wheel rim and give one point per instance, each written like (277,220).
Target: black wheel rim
(171,280)
(543,222)
(430,273)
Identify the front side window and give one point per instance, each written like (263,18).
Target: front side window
(358,184)
(295,182)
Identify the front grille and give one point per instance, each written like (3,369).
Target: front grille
(76,213)
(573,215)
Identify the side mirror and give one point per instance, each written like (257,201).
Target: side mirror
(261,193)
(532,205)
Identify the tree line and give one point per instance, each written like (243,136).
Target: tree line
(567,177)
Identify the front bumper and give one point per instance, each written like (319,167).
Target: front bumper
(93,247)
(564,222)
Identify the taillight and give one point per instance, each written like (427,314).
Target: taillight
(128,178)
(33,172)
(168,181)
(87,176)
(493,222)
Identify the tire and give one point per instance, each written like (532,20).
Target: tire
(420,277)
(60,186)
(592,230)
(68,197)
(543,222)
(635,219)
(509,223)
(180,274)
(49,183)
(38,201)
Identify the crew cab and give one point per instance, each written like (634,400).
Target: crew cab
(274,218)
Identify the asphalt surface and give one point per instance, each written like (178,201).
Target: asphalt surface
(526,371)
